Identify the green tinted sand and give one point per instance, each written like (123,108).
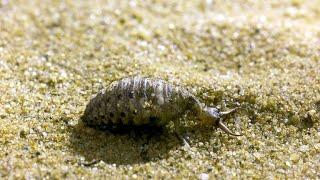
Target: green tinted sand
(263,56)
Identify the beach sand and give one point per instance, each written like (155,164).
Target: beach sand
(263,56)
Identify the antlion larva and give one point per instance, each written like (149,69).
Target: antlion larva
(137,101)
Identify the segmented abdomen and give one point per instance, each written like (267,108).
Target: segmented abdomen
(138,101)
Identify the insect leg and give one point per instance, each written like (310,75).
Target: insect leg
(144,151)
(183,139)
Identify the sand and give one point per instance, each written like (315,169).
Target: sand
(262,56)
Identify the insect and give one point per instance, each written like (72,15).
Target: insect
(138,101)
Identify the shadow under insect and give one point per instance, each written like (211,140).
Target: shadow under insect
(122,145)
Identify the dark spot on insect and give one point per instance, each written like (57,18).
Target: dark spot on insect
(120,121)
(134,112)
(130,95)
(111,115)
(153,119)
(122,114)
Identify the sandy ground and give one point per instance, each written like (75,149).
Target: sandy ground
(55,56)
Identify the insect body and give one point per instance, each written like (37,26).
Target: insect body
(138,101)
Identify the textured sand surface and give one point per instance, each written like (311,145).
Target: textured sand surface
(55,56)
